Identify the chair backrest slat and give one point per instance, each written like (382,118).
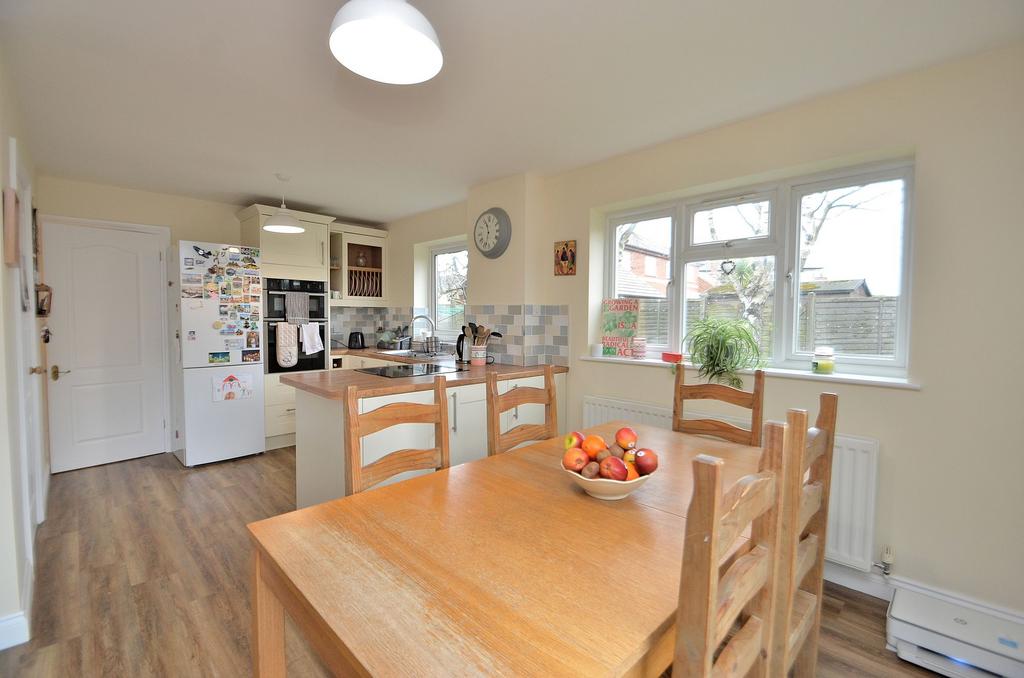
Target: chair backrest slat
(751,400)
(497,403)
(359,477)
(710,602)
(805,497)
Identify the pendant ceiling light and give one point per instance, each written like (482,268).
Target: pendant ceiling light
(282,221)
(386,40)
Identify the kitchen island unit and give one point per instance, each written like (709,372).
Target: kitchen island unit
(320,420)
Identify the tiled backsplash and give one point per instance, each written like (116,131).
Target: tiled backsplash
(532,334)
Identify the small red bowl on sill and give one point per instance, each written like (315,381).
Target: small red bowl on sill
(671,357)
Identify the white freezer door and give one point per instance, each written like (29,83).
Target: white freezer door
(223,413)
(221,304)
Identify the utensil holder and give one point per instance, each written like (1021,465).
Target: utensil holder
(478,355)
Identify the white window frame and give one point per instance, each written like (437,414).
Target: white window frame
(783,243)
(670,211)
(865,364)
(432,305)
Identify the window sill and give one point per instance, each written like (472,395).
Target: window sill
(836,378)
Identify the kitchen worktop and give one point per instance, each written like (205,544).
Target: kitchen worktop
(333,384)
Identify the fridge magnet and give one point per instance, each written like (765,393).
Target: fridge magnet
(252,340)
(233,344)
(191,335)
(189,261)
(565,257)
(191,292)
(218,357)
(234,256)
(192,279)
(238,281)
(232,387)
(217,324)
(254,314)
(201,253)
(223,309)
(250,356)
(230,271)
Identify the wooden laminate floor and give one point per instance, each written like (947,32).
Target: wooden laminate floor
(142,569)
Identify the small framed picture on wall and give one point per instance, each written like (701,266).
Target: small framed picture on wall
(565,257)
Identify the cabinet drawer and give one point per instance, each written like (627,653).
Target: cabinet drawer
(277,393)
(280,420)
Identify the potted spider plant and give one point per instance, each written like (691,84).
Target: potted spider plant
(721,347)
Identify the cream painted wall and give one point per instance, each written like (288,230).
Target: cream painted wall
(952,462)
(501,280)
(951,465)
(406,277)
(13,577)
(188,218)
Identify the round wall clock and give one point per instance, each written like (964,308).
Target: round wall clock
(492,232)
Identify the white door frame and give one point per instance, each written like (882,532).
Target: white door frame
(165,234)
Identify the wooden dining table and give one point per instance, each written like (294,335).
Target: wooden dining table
(501,566)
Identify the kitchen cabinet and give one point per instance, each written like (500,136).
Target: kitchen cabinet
(302,256)
(467,423)
(358,265)
(279,409)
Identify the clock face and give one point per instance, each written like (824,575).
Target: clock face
(493,232)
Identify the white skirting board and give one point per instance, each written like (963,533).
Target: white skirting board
(13,630)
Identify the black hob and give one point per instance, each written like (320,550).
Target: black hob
(415,370)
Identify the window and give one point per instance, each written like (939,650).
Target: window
(448,298)
(815,261)
(642,250)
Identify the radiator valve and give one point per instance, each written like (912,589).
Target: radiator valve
(888,556)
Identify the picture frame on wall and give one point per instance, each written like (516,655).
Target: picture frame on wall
(11,227)
(44,295)
(565,257)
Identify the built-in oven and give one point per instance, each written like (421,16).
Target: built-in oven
(313,361)
(275,291)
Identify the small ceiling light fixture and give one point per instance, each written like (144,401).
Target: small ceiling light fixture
(388,41)
(282,221)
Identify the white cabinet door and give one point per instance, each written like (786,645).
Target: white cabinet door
(296,249)
(467,423)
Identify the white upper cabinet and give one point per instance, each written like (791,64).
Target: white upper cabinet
(289,255)
(358,261)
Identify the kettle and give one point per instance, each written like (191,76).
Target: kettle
(460,347)
(356,340)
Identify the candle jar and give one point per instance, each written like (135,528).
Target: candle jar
(824,360)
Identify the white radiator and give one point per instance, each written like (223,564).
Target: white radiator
(851,508)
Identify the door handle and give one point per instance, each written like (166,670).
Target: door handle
(38,369)
(455,412)
(515,412)
(321,252)
(55,372)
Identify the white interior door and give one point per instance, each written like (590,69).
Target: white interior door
(108,402)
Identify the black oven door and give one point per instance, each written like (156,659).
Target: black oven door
(274,308)
(306,363)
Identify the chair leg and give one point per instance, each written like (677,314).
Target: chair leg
(806,663)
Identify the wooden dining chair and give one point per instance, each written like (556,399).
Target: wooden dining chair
(712,601)
(498,442)
(805,493)
(751,400)
(359,477)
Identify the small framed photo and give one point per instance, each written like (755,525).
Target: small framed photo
(565,257)
(44,294)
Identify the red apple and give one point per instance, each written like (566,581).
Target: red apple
(614,468)
(646,462)
(626,438)
(575,459)
(574,439)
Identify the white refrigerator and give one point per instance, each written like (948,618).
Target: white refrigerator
(218,385)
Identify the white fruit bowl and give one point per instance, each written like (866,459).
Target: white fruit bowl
(603,488)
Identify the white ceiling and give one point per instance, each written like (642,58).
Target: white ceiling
(212,98)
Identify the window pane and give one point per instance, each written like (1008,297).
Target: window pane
(450,269)
(851,253)
(733,288)
(732,222)
(642,271)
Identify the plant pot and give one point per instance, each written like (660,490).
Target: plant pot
(668,357)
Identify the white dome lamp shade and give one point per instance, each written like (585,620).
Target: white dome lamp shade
(388,41)
(283,222)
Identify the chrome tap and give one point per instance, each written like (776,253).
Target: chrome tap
(431,345)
